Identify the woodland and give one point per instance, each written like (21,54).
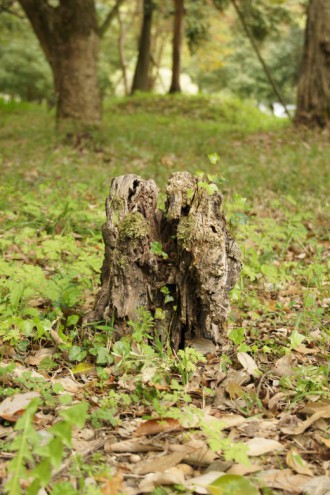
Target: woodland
(164,238)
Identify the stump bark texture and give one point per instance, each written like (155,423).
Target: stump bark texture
(180,263)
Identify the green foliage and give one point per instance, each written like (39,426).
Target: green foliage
(157,248)
(28,446)
(24,72)
(187,361)
(228,484)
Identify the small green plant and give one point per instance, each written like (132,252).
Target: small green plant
(40,457)
(187,363)
(157,249)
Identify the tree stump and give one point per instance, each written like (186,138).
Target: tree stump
(179,264)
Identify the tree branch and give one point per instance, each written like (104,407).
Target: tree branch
(42,18)
(8,7)
(109,18)
(260,58)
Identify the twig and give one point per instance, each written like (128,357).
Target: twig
(109,18)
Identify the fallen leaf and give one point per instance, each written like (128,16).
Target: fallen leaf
(230,484)
(313,407)
(199,484)
(259,446)
(324,412)
(243,470)
(19,371)
(234,390)
(200,454)
(12,408)
(40,355)
(306,350)
(82,368)
(231,420)
(284,366)
(283,479)
(204,346)
(112,486)
(131,446)
(172,476)
(295,462)
(147,373)
(325,441)
(320,485)
(160,463)
(248,364)
(68,384)
(154,426)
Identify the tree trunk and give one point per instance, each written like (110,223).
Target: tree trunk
(179,264)
(69,37)
(177,45)
(313,100)
(141,75)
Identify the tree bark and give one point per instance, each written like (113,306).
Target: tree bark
(141,75)
(177,45)
(69,37)
(313,99)
(179,264)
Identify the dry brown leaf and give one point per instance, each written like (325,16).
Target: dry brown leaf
(114,486)
(324,412)
(325,441)
(306,350)
(160,463)
(12,408)
(40,355)
(200,454)
(154,426)
(284,366)
(230,420)
(172,476)
(313,407)
(19,371)
(204,346)
(259,446)
(320,485)
(234,390)
(295,462)
(273,402)
(242,470)
(68,384)
(248,364)
(130,446)
(283,479)
(224,421)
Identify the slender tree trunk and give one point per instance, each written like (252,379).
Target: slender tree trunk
(69,37)
(313,99)
(121,50)
(141,75)
(177,45)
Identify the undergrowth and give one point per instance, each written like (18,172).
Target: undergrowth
(51,200)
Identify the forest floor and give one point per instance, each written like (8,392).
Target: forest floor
(81,414)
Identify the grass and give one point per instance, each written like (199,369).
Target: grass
(52,208)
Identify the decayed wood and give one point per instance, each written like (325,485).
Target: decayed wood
(186,283)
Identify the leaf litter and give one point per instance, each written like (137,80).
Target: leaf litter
(265,391)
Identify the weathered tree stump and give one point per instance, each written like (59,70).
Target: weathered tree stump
(180,263)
